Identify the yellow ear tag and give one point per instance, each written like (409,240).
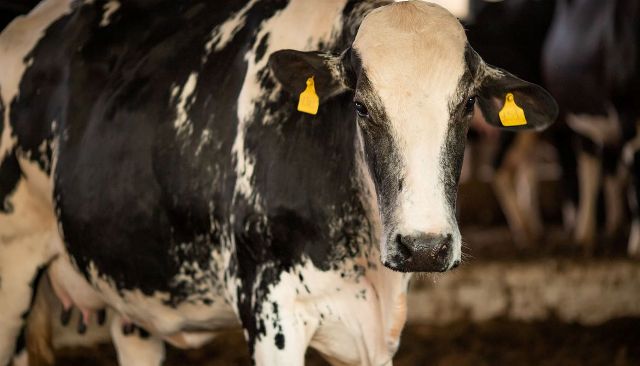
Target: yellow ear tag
(511,114)
(309,101)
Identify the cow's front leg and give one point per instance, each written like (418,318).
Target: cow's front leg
(284,343)
(589,170)
(631,156)
(134,346)
(278,333)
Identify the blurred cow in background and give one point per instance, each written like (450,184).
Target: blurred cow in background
(591,65)
(589,52)
(511,34)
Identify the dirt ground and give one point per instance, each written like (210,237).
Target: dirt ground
(497,342)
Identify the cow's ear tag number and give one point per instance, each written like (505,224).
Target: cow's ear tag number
(309,101)
(511,114)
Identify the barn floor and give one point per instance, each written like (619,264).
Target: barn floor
(496,342)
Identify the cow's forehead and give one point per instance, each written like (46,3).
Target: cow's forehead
(413,45)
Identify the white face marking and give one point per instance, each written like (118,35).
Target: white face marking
(16,41)
(109,9)
(459,8)
(415,66)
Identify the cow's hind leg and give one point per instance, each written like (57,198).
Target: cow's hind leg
(589,170)
(21,262)
(523,219)
(614,184)
(39,329)
(632,159)
(27,227)
(134,348)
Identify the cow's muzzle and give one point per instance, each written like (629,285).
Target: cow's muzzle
(420,252)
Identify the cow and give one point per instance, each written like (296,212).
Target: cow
(510,35)
(591,65)
(154,163)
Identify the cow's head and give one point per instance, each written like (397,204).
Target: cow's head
(415,81)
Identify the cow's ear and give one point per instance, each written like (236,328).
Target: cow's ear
(508,102)
(292,69)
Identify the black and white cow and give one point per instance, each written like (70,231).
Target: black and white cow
(591,62)
(510,35)
(154,160)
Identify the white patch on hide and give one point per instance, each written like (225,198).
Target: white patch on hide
(16,41)
(183,97)
(153,314)
(109,8)
(224,33)
(601,129)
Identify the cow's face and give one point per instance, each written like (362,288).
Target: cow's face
(415,81)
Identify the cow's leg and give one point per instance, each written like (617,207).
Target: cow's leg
(276,331)
(504,184)
(528,198)
(565,144)
(631,159)
(633,247)
(631,156)
(133,348)
(21,261)
(286,339)
(589,172)
(39,326)
(614,187)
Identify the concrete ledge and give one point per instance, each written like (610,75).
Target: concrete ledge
(586,292)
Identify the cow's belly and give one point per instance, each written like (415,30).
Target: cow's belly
(185,325)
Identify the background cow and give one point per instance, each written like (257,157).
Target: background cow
(592,65)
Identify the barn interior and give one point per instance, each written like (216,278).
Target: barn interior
(532,289)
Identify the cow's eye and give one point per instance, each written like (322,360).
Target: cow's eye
(471,102)
(361,109)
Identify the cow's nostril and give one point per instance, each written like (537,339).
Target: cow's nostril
(404,250)
(443,252)
(456,264)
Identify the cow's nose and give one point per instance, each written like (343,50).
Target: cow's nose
(420,252)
